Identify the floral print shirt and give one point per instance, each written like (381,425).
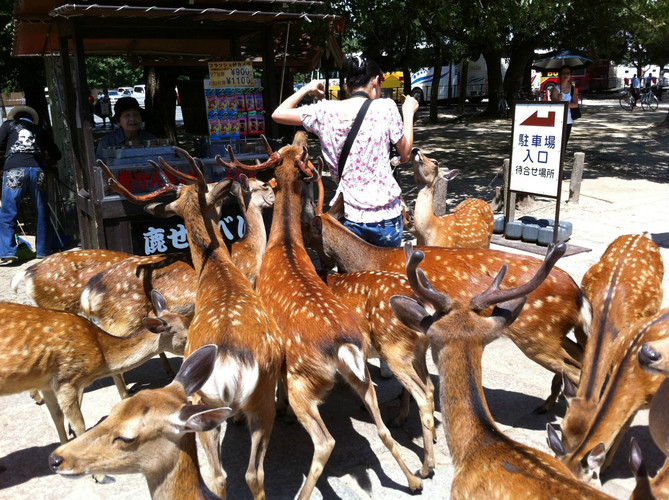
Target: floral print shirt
(370,191)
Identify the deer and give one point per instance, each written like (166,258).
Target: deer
(555,308)
(470,225)
(487,463)
(60,354)
(624,286)
(228,314)
(628,389)
(322,335)
(151,433)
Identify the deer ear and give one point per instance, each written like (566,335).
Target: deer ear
(160,209)
(218,192)
(554,442)
(199,418)
(569,389)
(155,325)
(448,174)
(159,302)
(595,457)
(317,225)
(197,368)
(411,313)
(636,462)
(507,312)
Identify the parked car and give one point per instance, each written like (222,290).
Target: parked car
(125,90)
(139,89)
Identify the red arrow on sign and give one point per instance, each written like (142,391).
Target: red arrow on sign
(536,121)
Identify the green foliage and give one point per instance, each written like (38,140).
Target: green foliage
(111,73)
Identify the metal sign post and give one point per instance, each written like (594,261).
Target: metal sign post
(537,152)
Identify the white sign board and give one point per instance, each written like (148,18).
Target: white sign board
(537,143)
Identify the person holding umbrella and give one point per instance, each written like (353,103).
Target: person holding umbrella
(566,92)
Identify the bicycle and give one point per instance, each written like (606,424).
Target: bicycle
(627,100)
(648,99)
(503,106)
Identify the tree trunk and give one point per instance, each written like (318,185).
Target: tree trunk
(434,92)
(462,81)
(493,58)
(160,102)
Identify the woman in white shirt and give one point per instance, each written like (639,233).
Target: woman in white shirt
(372,205)
(564,93)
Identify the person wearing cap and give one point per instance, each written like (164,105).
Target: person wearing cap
(129,116)
(29,151)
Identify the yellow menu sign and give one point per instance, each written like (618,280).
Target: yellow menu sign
(231,74)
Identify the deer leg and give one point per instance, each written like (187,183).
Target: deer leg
(122,389)
(260,425)
(166,365)
(367,393)
(306,410)
(56,414)
(556,386)
(211,444)
(37,397)
(412,384)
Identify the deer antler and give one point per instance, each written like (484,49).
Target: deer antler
(139,200)
(197,179)
(274,158)
(493,295)
(420,284)
(307,169)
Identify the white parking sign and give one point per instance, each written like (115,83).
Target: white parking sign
(537,148)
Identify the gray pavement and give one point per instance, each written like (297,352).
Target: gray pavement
(360,467)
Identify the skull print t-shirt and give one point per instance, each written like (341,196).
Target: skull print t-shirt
(26,145)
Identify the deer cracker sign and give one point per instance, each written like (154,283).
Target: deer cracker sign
(537,147)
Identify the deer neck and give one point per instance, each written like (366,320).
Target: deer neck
(204,239)
(286,224)
(350,252)
(182,478)
(255,239)
(424,201)
(468,423)
(125,353)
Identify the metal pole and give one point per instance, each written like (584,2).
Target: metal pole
(283,68)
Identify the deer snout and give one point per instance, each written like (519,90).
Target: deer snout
(55,461)
(648,356)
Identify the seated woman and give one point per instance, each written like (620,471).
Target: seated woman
(129,117)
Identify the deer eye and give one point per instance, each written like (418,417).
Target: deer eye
(124,439)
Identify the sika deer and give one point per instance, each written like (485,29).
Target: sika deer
(629,388)
(552,310)
(60,354)
(470,224)
(228,314)
(487,463)
(151,433)
(367,295)
(323,336)
(623,287)
(647,488)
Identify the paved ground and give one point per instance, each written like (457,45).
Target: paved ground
(624,191)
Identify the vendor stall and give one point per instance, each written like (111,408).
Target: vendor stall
(237,59)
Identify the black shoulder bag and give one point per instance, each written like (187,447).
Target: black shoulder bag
(575,112)
(351,136)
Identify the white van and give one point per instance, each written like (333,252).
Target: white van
(477,81)
(139,89)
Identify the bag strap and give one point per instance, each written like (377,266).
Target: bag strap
(351,136)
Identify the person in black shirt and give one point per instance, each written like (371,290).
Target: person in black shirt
(29,150)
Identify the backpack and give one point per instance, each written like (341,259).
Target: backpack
(575,112)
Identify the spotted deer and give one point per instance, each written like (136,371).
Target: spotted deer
(228,314)
(487,463)
(60,354)
(470,224)
(323,337)
(628,389)
(623,287)
(151,433)
(367,295)
(555,308)
(652,359)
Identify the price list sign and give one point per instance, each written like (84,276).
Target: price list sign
(231,74)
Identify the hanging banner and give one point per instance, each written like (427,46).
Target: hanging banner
(537,148)
(231,74)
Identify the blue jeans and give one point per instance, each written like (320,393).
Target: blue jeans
(387,233)
(16,184)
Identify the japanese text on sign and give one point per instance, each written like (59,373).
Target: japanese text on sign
(231,74)
(536,154)
(161,240)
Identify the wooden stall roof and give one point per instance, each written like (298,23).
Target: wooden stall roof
(168,32)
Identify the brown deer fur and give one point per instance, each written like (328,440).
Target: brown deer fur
(552,311)
(323,335)
(470,224)
(623,287)
(487,463)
